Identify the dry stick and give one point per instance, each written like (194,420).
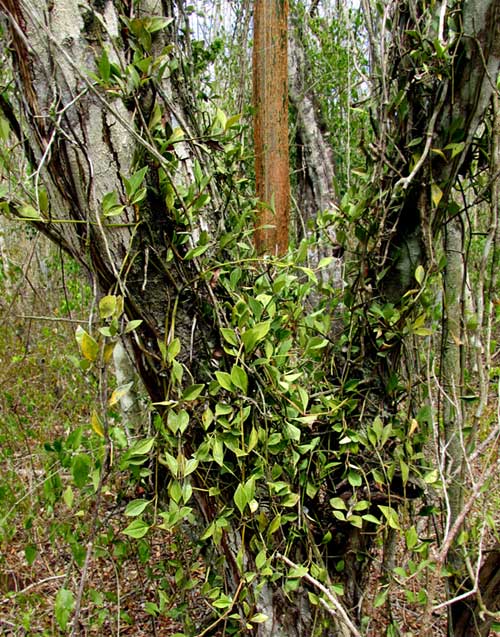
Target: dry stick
(60,319)
(75,631)
(30,586)
(328,593)
(450,536)
(225,614)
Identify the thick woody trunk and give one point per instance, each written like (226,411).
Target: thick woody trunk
(83,138)
(270,101)
(314,167)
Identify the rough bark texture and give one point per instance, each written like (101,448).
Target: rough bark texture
(451,366)
(467,617)
(314,159)
(270,101)
(82,143)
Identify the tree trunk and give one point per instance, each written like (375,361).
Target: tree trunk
(270,101)
(451,371)
(314,162)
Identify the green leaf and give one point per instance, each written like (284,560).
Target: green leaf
(355,479)
(231,121)
(157,23)
(239,378)
(68,497)
(229,336)
(177,372)
(138,196)
(391,516)
(137,529)
(419,274)
(250,489)
(96,424)
(224,380)
(223,601)
(380,598)
(107,306)
(436,194)
(30,553)
(255,334)
(171,463)
(338,503)
(136,507)
(177,422)
(405,471)
(355,520)
(141,447)
(28,212)
(325,262)
(177,136)
(132,325)
(192,392)
(411,537)
(132,184)
(80,469)
(298,571)
(275,524)
(240,498)
(64,605)
(292,432)
(174,347)
(196,252)
(455,148)
(431,477)
(218,452)
(260,559)
(104,66)
(207,418)
(191,465)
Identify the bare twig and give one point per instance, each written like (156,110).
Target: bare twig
(209,629)
(41,582)
(329,594)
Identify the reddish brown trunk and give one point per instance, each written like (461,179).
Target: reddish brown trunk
(270,100)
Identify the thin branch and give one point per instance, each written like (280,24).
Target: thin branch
(32,317)
(41,582)
(209,629)
(329,594)
(404,182)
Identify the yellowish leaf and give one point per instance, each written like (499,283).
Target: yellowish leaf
(436,194)
(107,306)
(96,424)
(439,152)
(119,393)
(90,347)
(108,351)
